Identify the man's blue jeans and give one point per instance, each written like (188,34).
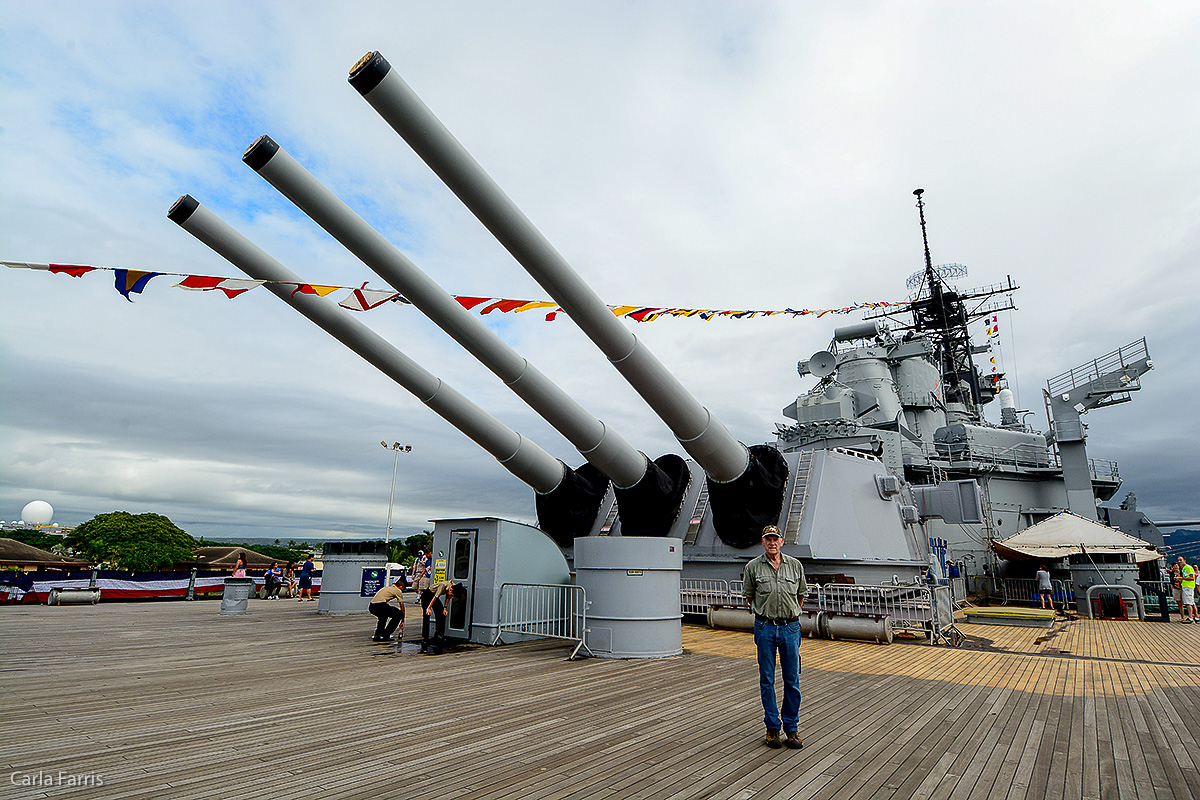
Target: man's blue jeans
(770,639)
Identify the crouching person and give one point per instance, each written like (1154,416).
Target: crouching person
(390,617)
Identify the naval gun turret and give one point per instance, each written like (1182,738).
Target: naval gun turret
(745,484)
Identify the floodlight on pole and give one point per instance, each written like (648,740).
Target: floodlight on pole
(387,537)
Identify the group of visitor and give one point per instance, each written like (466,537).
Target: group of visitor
(1183,586)
(391,617)
(299,585)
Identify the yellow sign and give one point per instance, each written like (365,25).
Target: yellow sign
(439,570)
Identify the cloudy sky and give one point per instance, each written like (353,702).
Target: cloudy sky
(694,154)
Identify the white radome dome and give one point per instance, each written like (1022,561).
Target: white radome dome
(39,512)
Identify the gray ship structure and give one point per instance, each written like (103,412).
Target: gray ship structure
(892,466)
(888,467)
(903,387)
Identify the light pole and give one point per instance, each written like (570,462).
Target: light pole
(387,536)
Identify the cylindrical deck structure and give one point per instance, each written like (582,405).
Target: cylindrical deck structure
(62,596)
(235,597)
(877,629)
(632,584)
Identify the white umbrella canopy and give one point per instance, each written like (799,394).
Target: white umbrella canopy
(1066,534)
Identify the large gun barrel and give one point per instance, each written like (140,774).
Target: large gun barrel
(652,491)
(703,436)
(564,495)
(598,443)
(746,484)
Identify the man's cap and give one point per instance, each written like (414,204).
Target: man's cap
(770,530)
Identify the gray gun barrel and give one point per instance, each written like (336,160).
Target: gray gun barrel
(599,444)
(520,456)
(701,434)
(859,330)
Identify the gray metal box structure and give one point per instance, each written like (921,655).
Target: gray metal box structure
(342,565)
(483,554)
(1103,569)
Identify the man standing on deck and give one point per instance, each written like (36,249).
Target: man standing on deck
(306,578)
(420,572)
(1187,583)
(1044,588)
(775,586)
(1176,589)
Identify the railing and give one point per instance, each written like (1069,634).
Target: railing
(544,611)
(1098,368)
(1156,587)
(928,610)
(696,595)
(1159,597)
(958,591)
(1024,590)
(1103,469)
(1024,454)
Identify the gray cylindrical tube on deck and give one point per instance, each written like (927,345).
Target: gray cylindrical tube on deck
(859,330)
(520,456)
(597,443)
(702,435)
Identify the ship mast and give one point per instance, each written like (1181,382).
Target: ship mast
(940,312)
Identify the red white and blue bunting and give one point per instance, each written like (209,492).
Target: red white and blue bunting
(129,282)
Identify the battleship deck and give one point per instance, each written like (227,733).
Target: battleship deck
(172,700)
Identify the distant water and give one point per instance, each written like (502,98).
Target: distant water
(284,542)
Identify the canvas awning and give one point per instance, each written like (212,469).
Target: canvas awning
(1067,534)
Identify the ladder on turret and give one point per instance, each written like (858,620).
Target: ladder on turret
(693,529)
(795,510)
(610,520)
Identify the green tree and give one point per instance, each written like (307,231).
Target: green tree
(406,552)
(422,542)
(137,542)
(45,541)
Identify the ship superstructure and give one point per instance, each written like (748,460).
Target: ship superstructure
(903,385)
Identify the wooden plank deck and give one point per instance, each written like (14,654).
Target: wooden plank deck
(172,700)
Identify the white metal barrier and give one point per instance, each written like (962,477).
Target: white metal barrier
(544,611)
(1024,590)
(919,608)
(696,595)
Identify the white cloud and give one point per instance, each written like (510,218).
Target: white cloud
(705,154)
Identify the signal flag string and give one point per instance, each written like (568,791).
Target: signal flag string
(129,282)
